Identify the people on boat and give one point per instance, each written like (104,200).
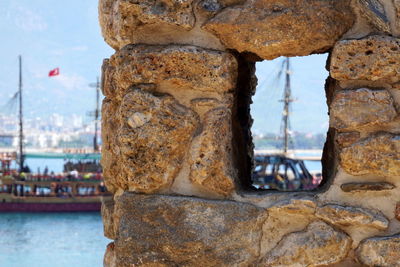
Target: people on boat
(26,169)
(74,173)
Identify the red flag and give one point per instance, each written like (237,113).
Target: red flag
(54,72)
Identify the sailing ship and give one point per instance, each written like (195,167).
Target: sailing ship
(79,188)
(281,171)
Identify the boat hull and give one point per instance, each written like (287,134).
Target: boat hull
(49,207)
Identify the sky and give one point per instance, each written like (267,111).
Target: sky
(309,111)
(50,34)
(66,34)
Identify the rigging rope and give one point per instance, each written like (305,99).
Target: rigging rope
(11,105)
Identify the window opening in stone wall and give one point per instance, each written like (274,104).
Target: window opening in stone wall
(290,123)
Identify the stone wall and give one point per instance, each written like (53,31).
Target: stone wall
(177,152)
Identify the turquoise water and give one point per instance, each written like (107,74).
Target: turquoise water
(51,240)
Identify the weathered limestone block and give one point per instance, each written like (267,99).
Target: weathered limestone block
(303,206)
(396,86)
(351,216)
(347,138)
(375,13)
(124,21)
(154,137)
(107,213)
(109,87)
(318,244)
(285,217)
(184,231)
(379,155)
(147,132)
(362,187)
(179,67)
(204,105)
(282,28)
(397,7)
(109,257)
(380,251)
(211,155)
(184,70)
(397,212)
(361,107)
(208,8)
(110,150)
(372,58)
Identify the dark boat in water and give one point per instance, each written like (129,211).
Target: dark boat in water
(71,191)
(280,172)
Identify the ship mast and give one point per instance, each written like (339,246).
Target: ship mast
(21,128)
(287,99)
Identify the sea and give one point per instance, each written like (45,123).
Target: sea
(51,240)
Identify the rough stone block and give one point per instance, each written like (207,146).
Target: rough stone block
(378,155)
(108,83)
(372,58)
(351,216)
(298,206)
(146,128)
(375,13)
(397,10)
(154,137)
(184,231)
(284,217)
(362,187)
(110,150)
(361,107)
(347,138)
(317,245)
(380,251)
(282,28)
(109,257)
(396,86)
(124,21)
(211,154)
(180,67)
(397,211)
(107,213)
